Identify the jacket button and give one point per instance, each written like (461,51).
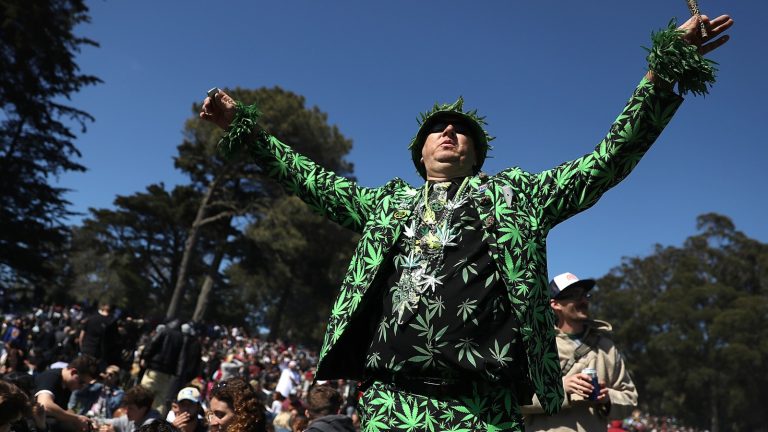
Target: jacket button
(485,200)
(489,221)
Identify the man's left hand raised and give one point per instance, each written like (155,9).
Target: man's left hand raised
(714,27)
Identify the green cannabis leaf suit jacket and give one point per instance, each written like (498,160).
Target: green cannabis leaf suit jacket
(517,209)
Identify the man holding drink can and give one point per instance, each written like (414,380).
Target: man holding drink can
(596,382)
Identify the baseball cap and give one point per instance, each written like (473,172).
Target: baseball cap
(188,393)
(567,281)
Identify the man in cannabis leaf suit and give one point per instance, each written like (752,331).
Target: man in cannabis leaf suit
(444,311)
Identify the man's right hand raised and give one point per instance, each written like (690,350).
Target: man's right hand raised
(219,110)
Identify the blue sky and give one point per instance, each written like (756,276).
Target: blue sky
(549,76)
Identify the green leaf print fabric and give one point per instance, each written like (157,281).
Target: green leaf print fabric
(516,209)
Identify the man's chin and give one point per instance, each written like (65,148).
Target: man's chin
(447,158)
(452,161)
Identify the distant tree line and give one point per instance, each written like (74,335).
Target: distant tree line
(230,244)
(691,323)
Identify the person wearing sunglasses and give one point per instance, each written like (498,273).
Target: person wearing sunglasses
(583,344)
(445,300)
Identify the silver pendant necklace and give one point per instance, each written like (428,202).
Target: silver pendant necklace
(429,232)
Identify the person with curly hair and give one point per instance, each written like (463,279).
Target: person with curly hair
(235,407)
(13,405)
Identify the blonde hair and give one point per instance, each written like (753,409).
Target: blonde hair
(283,420)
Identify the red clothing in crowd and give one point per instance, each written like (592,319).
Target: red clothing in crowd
(615,426)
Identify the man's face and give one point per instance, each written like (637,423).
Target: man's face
(572,305)
(111,378)
(185,406)
(135,413)
(448,148)
(73,379)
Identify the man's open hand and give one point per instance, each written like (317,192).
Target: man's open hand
(714,28)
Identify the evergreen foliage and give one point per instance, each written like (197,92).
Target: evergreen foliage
(292,268)
(38,74)
(690,322)
(131,255)
(237,193)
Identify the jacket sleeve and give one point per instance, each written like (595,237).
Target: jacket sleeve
(153,347)
(536,408)
(120,424)
(621,390)
(577,185)
(331,195)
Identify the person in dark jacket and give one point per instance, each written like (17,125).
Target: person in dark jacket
(99,335)
(324,405)
(161,359)
(190,359)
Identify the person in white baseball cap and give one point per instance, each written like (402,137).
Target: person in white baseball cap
(186,411)
(583,343)
(567,285)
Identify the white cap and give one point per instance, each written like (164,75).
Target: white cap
(188,393)
(564,281)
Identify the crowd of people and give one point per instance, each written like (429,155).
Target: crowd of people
(113,372)
(67,368)
(644,422)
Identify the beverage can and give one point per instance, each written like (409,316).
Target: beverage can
(592,372)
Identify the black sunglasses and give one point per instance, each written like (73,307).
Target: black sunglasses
(460,126)
(574,294)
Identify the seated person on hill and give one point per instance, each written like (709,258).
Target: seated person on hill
(187,411)
(54,387)
(323,408)
(138,412)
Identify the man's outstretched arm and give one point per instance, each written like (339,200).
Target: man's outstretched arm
(674,60)
(331,195)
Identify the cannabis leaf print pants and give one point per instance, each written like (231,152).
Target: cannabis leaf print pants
(384,407)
